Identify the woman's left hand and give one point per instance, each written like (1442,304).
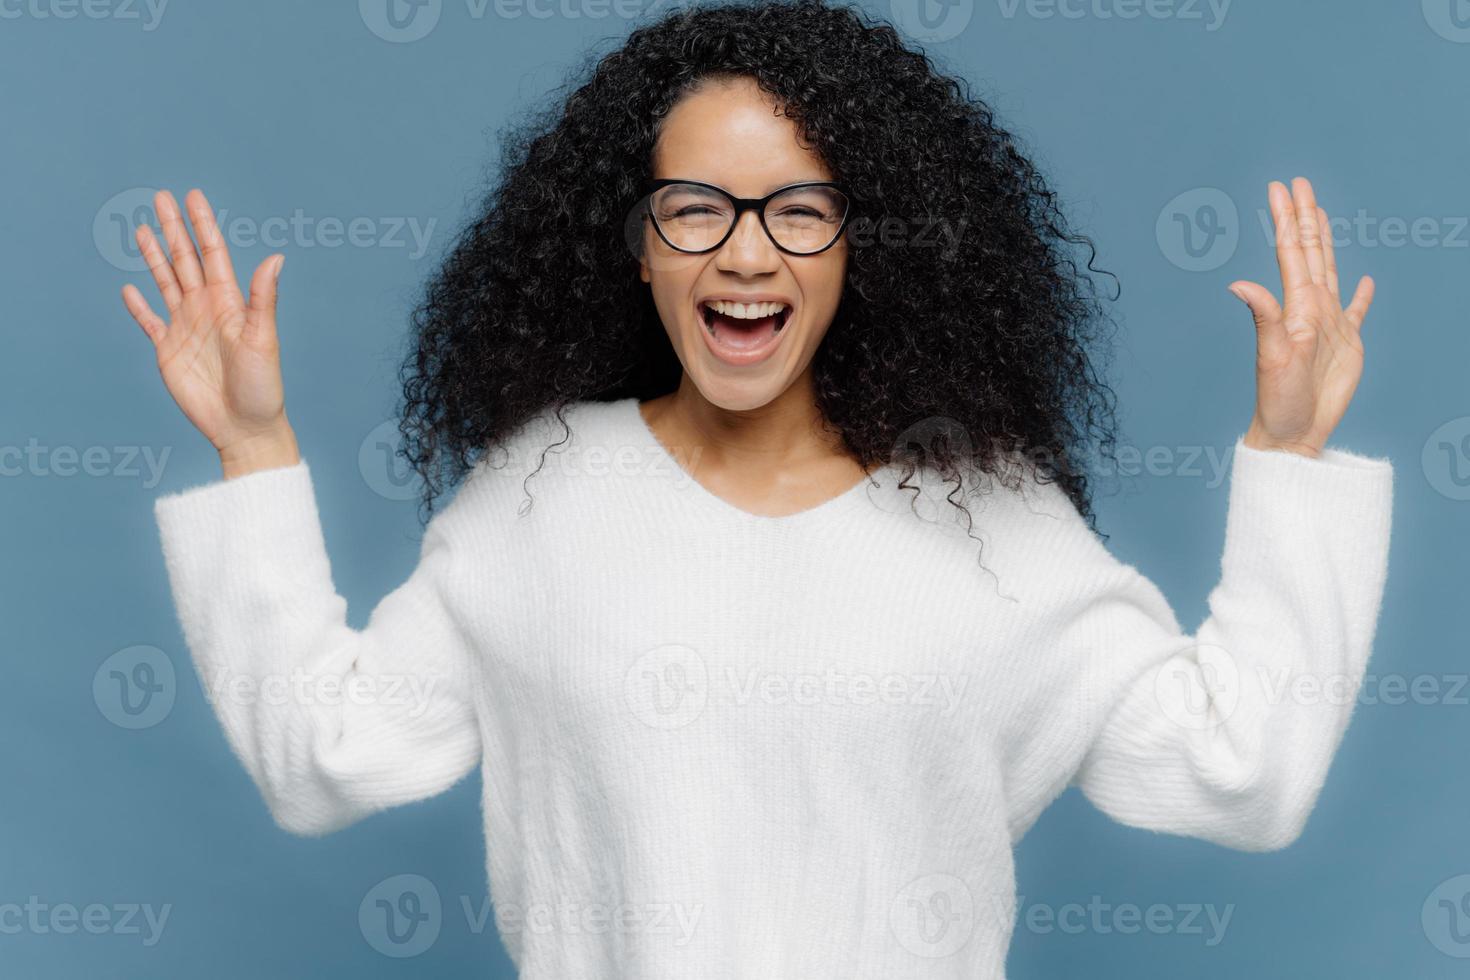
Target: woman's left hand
(1308,355)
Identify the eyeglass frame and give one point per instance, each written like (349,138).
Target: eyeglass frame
(743,204)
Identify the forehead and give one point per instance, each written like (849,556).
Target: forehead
(730,133)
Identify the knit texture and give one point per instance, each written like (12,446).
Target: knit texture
(716,744)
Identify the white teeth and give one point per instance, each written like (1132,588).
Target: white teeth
(745,311)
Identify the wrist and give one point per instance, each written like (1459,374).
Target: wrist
(263,451)
(1256,437)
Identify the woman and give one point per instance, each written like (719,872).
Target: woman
(747,701)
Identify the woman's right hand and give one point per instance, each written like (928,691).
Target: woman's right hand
(219,357)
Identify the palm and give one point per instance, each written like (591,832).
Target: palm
(218,357)
(1309,353)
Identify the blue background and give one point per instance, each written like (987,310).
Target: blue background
(275,106)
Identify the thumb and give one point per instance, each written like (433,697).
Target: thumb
(1270,328)
(260,319)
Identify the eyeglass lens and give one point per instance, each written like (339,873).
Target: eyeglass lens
(694,218)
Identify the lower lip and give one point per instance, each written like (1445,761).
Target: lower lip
(745,356)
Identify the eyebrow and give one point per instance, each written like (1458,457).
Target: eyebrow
(707,191)
(776,187)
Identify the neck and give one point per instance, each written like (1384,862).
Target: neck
(786,432)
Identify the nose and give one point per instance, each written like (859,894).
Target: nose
(748,251)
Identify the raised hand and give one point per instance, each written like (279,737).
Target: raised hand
(218,356)
(1309,355)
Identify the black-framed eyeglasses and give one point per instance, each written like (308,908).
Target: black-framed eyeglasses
(800,219)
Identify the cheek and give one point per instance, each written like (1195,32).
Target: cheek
(670,275)
(822,284)
(672,293)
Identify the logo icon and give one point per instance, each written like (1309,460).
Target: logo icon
(135,687)
(401,916)
(400,21)
(1199,230)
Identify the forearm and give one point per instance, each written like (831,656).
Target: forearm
(1227,734)
(331,722)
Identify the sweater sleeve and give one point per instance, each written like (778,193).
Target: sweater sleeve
(332,723)
(1227,735)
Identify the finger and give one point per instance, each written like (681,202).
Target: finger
(1304,203)
(143,313)
(1271,336)
(1294,271)
(1362,299)
(1325,224)
(186,262)
(163,272)
(260,317)
(216,255)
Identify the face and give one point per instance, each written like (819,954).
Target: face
(729,133)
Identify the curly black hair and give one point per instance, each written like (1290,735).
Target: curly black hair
(995,333)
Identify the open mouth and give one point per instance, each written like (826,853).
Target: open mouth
(742,326)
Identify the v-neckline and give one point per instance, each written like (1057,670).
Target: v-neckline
(713,501)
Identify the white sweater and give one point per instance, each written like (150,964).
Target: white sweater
(716,744)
